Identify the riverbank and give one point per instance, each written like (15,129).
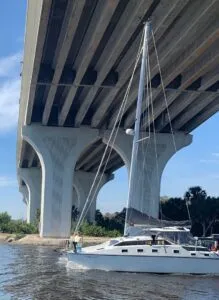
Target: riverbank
(3,236)
(34,239)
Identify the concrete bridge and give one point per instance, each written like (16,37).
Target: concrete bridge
(78,59)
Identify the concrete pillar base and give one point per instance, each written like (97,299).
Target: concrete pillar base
(82,184)
(32,179)
(24,191)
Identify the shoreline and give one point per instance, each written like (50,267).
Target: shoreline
(35,240)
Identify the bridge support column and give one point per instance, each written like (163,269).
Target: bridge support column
(31,192)
(149,169)
(58,150)
(82,183)
(24,191)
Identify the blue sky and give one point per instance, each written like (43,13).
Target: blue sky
(197,164)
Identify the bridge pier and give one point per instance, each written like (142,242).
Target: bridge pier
(24,191)
(82,184)
(149,169)
(31,192)
(58,150)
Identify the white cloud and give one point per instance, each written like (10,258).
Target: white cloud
(9,104)
(9,91)
(216,154)
(10,66)
(214,159)
(7,182)
(209,161)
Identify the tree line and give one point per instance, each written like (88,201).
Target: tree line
(8,225)
(196,206)
(201,209)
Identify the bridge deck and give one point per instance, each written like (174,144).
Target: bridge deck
(79,56)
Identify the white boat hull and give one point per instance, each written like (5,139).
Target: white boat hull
(146,264)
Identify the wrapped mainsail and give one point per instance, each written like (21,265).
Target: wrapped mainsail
(136,217)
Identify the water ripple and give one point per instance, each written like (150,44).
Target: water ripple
(41,273)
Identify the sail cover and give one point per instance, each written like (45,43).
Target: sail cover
(136,217)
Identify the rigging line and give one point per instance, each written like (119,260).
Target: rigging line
(153,124)
(188,211)
(122,107)
(164,92)
(145,144)
(128,216)
(107,146)
(111,148)
(148,120)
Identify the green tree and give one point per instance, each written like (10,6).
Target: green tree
(199,207)
(99,219)
(4,218)
(174,209)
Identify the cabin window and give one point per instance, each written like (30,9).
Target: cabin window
(154,250)
(140,250)
(132,243)
(176,251)
(206,254)
(193,254)
(194,248)
(124,250)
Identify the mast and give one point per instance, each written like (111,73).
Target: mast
(132,177)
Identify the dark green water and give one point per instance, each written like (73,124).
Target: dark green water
(39,273)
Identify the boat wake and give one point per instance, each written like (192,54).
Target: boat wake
(75,266)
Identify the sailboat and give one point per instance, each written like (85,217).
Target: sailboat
(148,245)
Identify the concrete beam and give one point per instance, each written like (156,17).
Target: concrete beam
(126,26)
(192,110)
(209,79)
(114,164)
(196,34)
(37,20)
(183,100)
(186,98)
(95,161)
(162,17)
(202,116)
(207,35)
(69,27)
(160,105)
(99,22)
(196,70)
(90,157)
(202,65)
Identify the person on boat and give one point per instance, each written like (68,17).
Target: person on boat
(72,243)
(215,247)
(76,242)
(153,242)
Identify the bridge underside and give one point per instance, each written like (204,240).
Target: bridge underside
(83,61)
(79,56)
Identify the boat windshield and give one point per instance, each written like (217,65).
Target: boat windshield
(178,237)
(110,242)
